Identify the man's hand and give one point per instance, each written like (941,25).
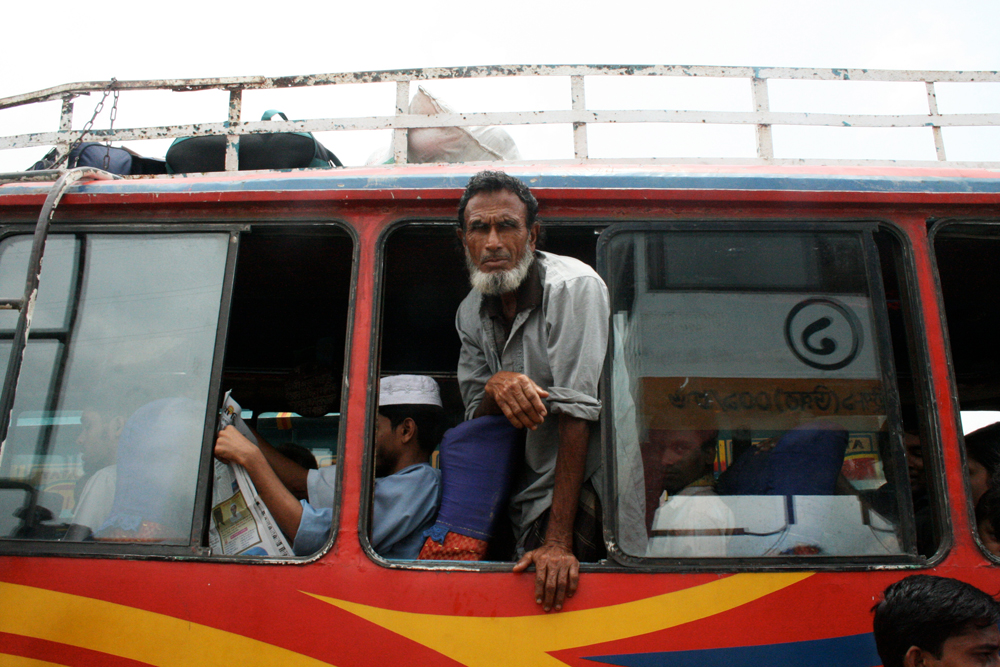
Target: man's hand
(232,447)
(518,398)
(557,574)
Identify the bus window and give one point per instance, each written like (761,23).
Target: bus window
(751,397)
(106,432)
(966,254)
(424,281)
(284,365)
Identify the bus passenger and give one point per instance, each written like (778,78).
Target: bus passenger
(100,429)
(154,475)
(535,327)
(692,521)
(982,447)
(925,621)
(988,519)
(407,489)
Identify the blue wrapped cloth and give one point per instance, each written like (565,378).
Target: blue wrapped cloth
(805,461)
(477,464)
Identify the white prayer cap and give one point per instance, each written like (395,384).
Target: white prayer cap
(409,390)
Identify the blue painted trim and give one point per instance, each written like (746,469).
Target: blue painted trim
(851,651)
(623,180)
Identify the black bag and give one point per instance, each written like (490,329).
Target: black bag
(90,154)
(278,150)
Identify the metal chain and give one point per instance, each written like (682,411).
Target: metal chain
(90,123)
(111,127)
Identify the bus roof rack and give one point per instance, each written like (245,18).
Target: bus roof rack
(578,115)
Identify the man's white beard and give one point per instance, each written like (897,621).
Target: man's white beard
(500,282)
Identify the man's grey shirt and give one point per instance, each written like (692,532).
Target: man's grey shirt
(561,346)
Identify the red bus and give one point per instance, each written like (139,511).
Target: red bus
(754,300)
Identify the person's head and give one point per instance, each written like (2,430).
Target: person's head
(682,456)
(926,621)
(410,422)
(498,230)
(982,448)
(914,449)
(100,429)
(988,520)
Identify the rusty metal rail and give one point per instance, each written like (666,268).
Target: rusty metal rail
(578,116)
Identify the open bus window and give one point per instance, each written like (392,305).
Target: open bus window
(106,432)
(752,402)
(424,281)
(284,364)
(966,254)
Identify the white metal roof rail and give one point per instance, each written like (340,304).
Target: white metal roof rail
(578,116)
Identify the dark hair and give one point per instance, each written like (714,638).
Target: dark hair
(495,181)
(983,445)
(301,455)
(923,611)
(428,418)
(988,508)
(711,442)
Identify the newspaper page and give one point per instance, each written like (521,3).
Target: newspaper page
(240,523)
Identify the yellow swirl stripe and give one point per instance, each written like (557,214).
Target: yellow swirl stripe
(145,636)
(527,640)
(18,661)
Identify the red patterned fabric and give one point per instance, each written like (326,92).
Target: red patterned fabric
(455,547)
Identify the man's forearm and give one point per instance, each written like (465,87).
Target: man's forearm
(574,434)
(487,406)
(285,509)
(292,475)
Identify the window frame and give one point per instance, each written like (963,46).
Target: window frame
(199,524)
(865,229)
(197,548)
(938,486)
(374,370)
(316,228)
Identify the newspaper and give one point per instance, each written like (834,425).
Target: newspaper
(240,523)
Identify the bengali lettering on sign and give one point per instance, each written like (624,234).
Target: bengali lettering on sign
(755,402)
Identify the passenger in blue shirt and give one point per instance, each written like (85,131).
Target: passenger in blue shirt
(407,489)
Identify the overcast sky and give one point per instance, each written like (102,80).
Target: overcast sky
(55,42)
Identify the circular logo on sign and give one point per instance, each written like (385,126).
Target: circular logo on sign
(823,333)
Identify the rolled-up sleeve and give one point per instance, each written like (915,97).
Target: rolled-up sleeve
(576,319)
(314,530)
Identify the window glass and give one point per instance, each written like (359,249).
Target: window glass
(62,261)
(106,431)
(966,256)
(748,402)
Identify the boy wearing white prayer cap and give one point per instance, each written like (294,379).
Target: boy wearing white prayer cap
(409,426)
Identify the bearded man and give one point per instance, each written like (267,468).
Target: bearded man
(534,332)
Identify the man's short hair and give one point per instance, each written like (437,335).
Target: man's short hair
(711,442)
(430,421)
(495,181)
(923,611)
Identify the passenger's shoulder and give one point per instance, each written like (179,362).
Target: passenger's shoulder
(421,471)
(470,305)
(560,269)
